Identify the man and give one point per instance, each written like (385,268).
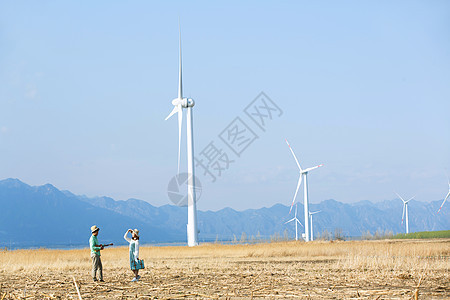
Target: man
(95,254)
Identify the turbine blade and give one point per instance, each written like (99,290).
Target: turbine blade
(180,124)
(400,197)
(313,168)
(446,197)
(174,110)
(296,191)
(299,222)
(410,199)
(180,77)
(295,157)
(289,221)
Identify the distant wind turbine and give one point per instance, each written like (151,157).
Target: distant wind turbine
(296,221)
(405,209)
(310,217)
(303,173)
(446,197)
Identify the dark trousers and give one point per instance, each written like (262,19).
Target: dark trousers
(97,265)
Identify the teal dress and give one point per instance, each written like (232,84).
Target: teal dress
(134,263)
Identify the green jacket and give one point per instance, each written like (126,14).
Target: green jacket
(93,242)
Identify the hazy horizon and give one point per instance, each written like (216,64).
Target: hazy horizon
(215,210)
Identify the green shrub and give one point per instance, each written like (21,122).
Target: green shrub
(423,235)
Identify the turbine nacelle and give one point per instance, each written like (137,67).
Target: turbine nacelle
(294,219)
(190,102)
(184,102)
(405,202)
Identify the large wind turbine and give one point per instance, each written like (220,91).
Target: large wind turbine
(310,219)
(446,197)
(296,221)
(303,173)
(179,103)
(405,209)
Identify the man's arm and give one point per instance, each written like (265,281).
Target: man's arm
(94,246)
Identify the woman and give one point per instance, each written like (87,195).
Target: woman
(135,263)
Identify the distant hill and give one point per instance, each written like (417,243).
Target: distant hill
(46,216)
(43,215)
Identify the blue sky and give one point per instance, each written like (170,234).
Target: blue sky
(363,85)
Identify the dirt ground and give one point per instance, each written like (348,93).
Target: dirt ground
(322,270)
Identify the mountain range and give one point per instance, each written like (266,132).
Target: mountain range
(43,216)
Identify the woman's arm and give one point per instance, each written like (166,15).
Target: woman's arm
(136,250)
(127,238)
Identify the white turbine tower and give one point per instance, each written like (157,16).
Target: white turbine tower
(296,221)
(179,103)
(303,173)
(405,210)
(310,219)
(446,197)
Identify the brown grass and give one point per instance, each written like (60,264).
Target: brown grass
(318,270)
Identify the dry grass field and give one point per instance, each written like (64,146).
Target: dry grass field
(400,269)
